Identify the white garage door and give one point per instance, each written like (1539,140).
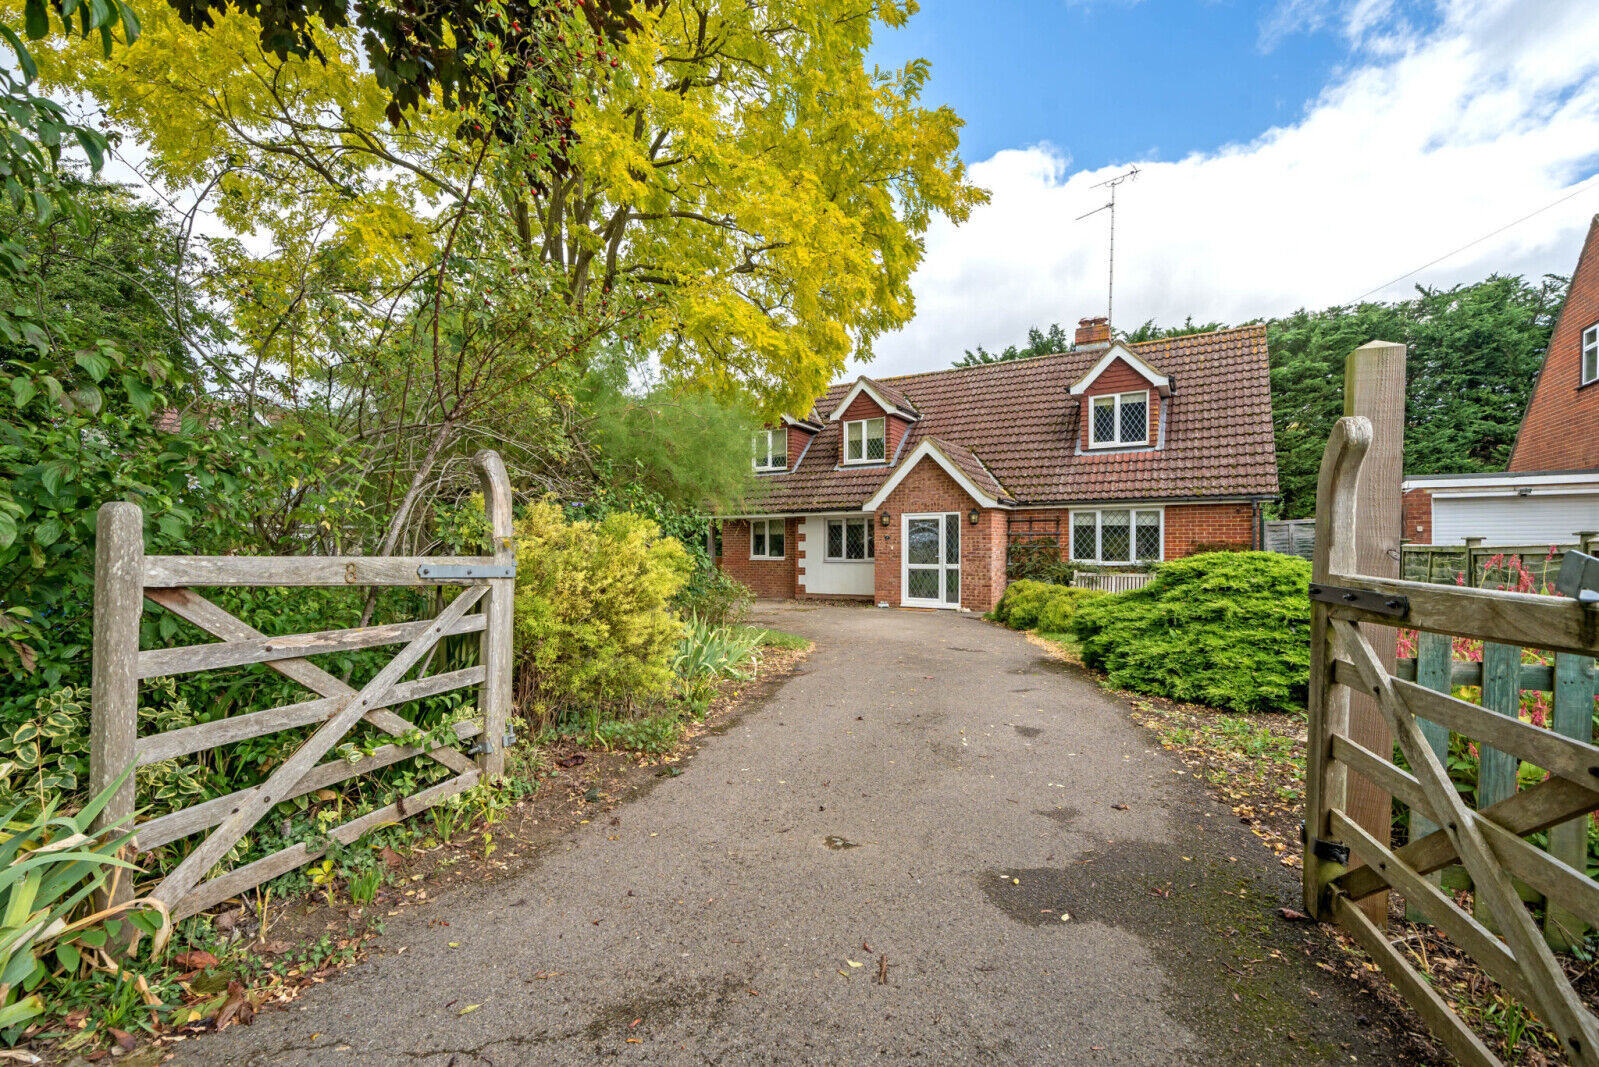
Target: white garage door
(1514,520)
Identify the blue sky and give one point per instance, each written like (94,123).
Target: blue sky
(1293,153)
(1113,82)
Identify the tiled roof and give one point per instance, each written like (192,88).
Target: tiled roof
(974,468)
(889,393)
(1015,422)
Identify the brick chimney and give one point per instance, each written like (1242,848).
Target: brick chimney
(1094,331)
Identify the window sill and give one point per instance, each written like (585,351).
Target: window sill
(849,464)
(826,559)
(759,471)
(767,559)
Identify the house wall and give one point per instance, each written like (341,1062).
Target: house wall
(1558,432)
(797,440)
(769,578)
(1118,378)
(1417,522)
(819,578)
(927,488)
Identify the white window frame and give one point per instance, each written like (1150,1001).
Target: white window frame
(869,540)
(781,437)
(1133,511)
(1117,399)
(766,537)
(864,424)
(1589,356)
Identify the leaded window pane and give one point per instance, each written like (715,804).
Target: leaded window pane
(1147,534)
(1134,418)
(952,539)
(1084,538)
(922,583)
(952,586)
(1105,419)
(855,541)
(852,440)
(871,538)
(774,540)
(922,543)
(757,538)
(874,439)
(1116,537)
(835,539)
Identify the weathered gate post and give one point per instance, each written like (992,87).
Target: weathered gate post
(114,679)
(500,608)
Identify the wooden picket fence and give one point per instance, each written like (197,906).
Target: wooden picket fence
(1112,581)
(125,577)
(1501,933)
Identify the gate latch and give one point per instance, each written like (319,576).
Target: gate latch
(1330,851)
(1364,599)
(1579,578)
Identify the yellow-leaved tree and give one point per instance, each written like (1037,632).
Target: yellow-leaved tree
(736,170)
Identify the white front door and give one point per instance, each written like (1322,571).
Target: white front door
(931,561)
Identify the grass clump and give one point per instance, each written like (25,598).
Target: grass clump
(1227,629)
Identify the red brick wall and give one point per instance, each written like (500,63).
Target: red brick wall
(797,440)
(1417,526)
(927,488)
(1561,429)
(1189,526)
(864,407)
(768,577)
(1119,378)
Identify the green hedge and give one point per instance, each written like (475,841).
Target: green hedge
(1030,605)
(1228,629)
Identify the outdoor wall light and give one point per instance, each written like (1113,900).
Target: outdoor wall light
(885,518)
(974,515)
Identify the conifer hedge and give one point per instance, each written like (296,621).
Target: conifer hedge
(1227,629)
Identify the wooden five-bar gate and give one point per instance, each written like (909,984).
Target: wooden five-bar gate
(1353,615)
(125,577)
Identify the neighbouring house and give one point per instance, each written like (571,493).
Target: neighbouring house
(1550,493)
(907,491)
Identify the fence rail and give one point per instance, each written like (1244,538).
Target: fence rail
(1111,583)
(1500,933)
(125,578)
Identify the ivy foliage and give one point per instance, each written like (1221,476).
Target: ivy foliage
(1227,629)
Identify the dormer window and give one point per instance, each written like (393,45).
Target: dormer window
(771,449)
(1590,354)
(1119,419)
(864,440)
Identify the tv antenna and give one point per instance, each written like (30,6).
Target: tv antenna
(1110,205)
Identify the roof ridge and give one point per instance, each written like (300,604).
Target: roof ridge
(1031,360)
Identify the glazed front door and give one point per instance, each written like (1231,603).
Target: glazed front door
(931,575)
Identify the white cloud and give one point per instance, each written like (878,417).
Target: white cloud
(1418,148)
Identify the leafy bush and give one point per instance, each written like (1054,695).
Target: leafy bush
(592,622)
(1038,560)
(708,650)
(1030,605)
(715,596)
(1228,629)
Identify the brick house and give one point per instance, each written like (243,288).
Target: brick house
(907,491)
(1550,493)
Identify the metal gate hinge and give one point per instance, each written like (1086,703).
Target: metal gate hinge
(484,745)
(455,572)
(1331,851)
(1364,599)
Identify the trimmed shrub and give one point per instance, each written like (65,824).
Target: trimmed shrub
(1227,629)
(1030,605)
(593,626)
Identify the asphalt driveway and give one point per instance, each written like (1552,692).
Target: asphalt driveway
(931,801)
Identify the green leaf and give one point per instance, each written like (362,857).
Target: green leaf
(30,69)
(36,19)
(130,22)
(94,363)
(70,958)
(22,391)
